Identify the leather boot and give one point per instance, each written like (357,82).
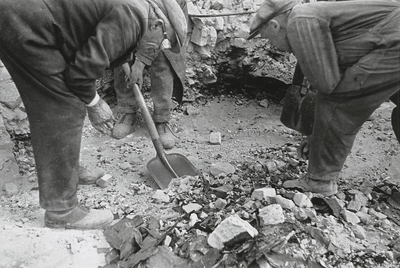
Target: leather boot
(87,177)
(124,126)
(166,135)
(78,218)
(306,184)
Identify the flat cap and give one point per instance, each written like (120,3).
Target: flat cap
(268,10)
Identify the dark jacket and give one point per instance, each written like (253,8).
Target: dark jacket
(80,38)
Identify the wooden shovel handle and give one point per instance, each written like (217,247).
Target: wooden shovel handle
(149,121)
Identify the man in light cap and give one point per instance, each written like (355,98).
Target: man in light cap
(167,75)
(55,51)
(349,52)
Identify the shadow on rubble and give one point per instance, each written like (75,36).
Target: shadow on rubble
(251,86)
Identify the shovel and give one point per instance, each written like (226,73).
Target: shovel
(164,167)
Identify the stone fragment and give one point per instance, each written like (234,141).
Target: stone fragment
(222,191)
(215,138)
(112,256)
(103,181)
(239,42)
(208,76)
(159,195)
(220,203)
(350,217)
(231,230)
(9,95)
(293,162)
(358,231)
(318,234)
(208,260)
(193,219)
(376,214)
(11,188)
(222,168)
(204,35)
(205,51)
(263,263)
(302,214)
(284,202)
(354,206)
(263,193)
(219,23)
(271,214)
(271,166)
(302,200)
(125,166)
(364,217)
(249,204)
(167,240)
(264,103)
(336,205)
(165,258)
(385,223)
(191,207)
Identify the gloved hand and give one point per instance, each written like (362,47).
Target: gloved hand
(136,75)
(101,117)
(303,149)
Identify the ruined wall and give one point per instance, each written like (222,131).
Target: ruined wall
(219,43)
(13,120)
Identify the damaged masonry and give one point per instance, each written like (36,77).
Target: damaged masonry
(235,212)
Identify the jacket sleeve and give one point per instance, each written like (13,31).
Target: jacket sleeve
(312,44)
(113,36)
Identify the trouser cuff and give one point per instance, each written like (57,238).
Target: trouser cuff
(324,177)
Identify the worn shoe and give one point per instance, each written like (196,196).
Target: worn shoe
(124,126)
(167,137)
(78,218)
(306,184)
(87,177)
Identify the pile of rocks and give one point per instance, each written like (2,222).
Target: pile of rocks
(240,216)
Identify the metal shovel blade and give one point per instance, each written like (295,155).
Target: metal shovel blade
(164,166)
(162,175)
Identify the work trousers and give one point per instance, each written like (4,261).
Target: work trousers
(56,118)
(163,78)
(340,115)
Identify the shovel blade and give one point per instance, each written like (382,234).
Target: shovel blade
(162,176)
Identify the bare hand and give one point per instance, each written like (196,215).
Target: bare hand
(101,117)
(303,149)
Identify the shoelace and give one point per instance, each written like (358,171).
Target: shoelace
(166,125)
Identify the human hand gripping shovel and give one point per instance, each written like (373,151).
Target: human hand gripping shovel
(164,167)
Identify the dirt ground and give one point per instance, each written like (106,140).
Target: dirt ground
(245,126)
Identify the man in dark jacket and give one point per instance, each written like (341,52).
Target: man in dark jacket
(54,51)
(167,75)
(349,52)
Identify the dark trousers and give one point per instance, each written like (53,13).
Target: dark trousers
(167,74)
(56,119)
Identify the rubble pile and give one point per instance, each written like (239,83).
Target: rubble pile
(221,59)
(237,215)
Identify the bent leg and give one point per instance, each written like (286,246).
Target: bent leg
(162,85)
(56,119)
(125,98)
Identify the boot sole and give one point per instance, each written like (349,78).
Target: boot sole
(302,189)
(55,225)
